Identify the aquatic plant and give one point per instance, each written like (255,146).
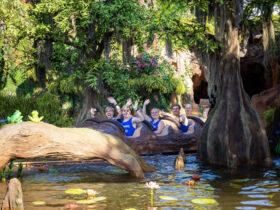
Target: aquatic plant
(91,193)
(277,148)
(10,169)
(152,185)
(3,174)
(75,191)
(196,177)
(15,118)
(190,182)
(20,170)
(35,116)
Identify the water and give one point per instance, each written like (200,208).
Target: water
(244,189)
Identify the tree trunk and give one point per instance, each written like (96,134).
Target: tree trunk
(233,135)
(91,100)
(270,53)
(13,198)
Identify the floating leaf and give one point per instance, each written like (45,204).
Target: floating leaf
(241,180)
(204,201)
(39,202)
(135,195)
(91,201)
(75,191)
(131,209)
(52,170)
(168,198)
(235,186)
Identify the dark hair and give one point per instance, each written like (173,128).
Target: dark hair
(175,105)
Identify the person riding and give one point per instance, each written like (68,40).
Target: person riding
(154,119)
(184,124)
(128,121)
(188,109)
(109,110)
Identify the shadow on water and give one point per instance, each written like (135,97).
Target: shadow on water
(225,188)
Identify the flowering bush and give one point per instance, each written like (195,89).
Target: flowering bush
(150,65)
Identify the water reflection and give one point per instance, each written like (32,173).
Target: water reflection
(218,188)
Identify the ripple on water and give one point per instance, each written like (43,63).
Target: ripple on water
(258,202)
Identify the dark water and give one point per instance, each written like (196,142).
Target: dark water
(242,189)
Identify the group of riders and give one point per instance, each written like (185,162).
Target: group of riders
(130,121)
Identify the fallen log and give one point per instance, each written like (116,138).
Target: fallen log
(30,140)
(13,198)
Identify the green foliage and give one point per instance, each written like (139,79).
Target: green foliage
(269,115)
(3,174)
(20,170)
(145,76)
(47,104)
(10,169)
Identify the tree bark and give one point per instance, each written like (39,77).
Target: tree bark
(30,140)
(270,53)
(91,100)
(233,135)
(13,198)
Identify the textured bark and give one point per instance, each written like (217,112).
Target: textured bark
(270,53)
(233,135)
(13,198)
(41,140)
(146,142)
(91,99)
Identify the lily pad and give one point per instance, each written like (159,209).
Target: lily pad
(91,201)
(241,180)
(75,191)
(235,186)
(37,203)
(168,198)
(204,201)
(52,170)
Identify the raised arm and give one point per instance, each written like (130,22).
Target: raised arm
(146,102)
(113,101)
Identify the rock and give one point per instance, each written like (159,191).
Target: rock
(267,99)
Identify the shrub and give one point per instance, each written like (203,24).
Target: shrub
(47,105)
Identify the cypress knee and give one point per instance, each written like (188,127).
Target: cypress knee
(179,163)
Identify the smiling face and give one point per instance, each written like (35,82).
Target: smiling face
(126,112)
(176,110)
(155,113)
(109,111)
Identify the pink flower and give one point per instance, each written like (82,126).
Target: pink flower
(72,206)
(165,71)
(152,185)
(137,56)
(157,66)
(72,48)
(142,57)
(67,51)
(156,74)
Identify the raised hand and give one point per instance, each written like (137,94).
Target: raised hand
(112,100)
(146,102)
(135,106)
(128,102)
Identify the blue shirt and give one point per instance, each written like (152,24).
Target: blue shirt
(155,124)
(128,127)
(184,128)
